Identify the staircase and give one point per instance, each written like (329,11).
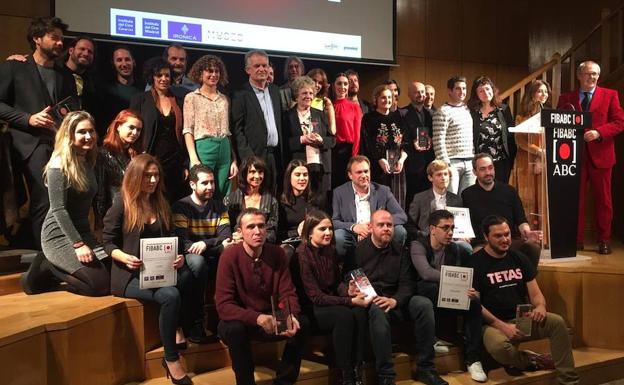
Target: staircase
(603,44)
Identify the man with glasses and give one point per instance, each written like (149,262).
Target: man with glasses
(599,153)
(251,274)
(429,253)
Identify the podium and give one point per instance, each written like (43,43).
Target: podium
(560,134)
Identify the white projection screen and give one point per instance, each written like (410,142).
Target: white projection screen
(354,30)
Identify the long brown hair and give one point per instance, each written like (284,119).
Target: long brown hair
(131,192)
(112,141)
(528,106)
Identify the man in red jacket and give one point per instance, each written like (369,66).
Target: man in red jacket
(250,273)
(599,153)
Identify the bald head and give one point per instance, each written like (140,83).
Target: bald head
(416,93)
(382,228)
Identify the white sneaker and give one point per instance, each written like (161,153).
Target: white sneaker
(440,348)
(476,372)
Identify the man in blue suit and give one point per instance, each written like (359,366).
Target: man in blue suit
(355,201)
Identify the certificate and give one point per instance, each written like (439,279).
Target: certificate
(158,255)
(454,284)
(463,226)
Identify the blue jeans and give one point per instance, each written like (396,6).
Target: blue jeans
(420,310)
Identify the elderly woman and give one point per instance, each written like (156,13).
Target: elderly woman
(382,142)
(490,121)
(162,126)
(306,134)
(206,122)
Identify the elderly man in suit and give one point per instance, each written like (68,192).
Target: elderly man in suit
(355,201)
(256,115)
(607,122)
(28,91)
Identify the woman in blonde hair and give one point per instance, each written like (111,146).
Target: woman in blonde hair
(66,238)
(142,211)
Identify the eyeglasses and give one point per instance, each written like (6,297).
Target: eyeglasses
(446,228)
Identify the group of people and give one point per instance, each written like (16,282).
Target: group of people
(182,159)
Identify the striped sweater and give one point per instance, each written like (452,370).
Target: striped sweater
(193,223)
(452,133)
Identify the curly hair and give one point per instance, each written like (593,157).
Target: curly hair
(206,62)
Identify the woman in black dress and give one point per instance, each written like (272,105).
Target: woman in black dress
(381,141)
(162,127)
(491,121)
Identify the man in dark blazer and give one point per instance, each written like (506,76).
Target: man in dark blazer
(256,116)
(351,219)
(28,91)
(418,121)
(436,198)
(607,122)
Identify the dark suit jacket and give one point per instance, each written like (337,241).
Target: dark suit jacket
(607,119)
(144,104)
(421,207)
(296,150)
(248,125)
(343,202)
(115,237)
(22,94)
(506,120)
(417,161)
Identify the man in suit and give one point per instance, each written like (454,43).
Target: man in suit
(419,128)
(436,198)
(28,91)
(355,201)
(607,122)
(256,115)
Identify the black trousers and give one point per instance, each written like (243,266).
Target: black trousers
(348,327)
(237,336)
(341,153)
(39,201)
(472,319)
(502,170)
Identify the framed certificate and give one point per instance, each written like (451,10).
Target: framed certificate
(463,226)
(158,255)
(454,284)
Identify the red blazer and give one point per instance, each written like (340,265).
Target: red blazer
(607,119)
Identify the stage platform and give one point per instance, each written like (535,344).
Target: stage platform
(61,338)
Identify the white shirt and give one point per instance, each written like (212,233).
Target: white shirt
(362,207)
(440,200)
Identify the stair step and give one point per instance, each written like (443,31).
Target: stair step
(11,260)
(312,373)
(10,283)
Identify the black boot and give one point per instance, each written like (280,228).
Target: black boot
(38,278)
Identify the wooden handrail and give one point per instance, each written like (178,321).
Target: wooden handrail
(599,25)
(532,76)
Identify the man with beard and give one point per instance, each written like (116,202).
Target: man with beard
(491,197)
(419,123)
(430,98)
(354,90)
(391,274)
(202,224)
(29,90)
(293,68)
(80,57)
(176,56)
(505,279)
(123,87)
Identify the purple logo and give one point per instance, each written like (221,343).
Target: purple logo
(125,25)
(184,31)
(151,27)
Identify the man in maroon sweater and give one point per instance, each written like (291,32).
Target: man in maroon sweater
(249,274)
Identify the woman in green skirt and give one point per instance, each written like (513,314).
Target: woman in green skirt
(206,122)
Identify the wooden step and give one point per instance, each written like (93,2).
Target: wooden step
(11,260)
(311,373)
(10,284)
(595,366)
